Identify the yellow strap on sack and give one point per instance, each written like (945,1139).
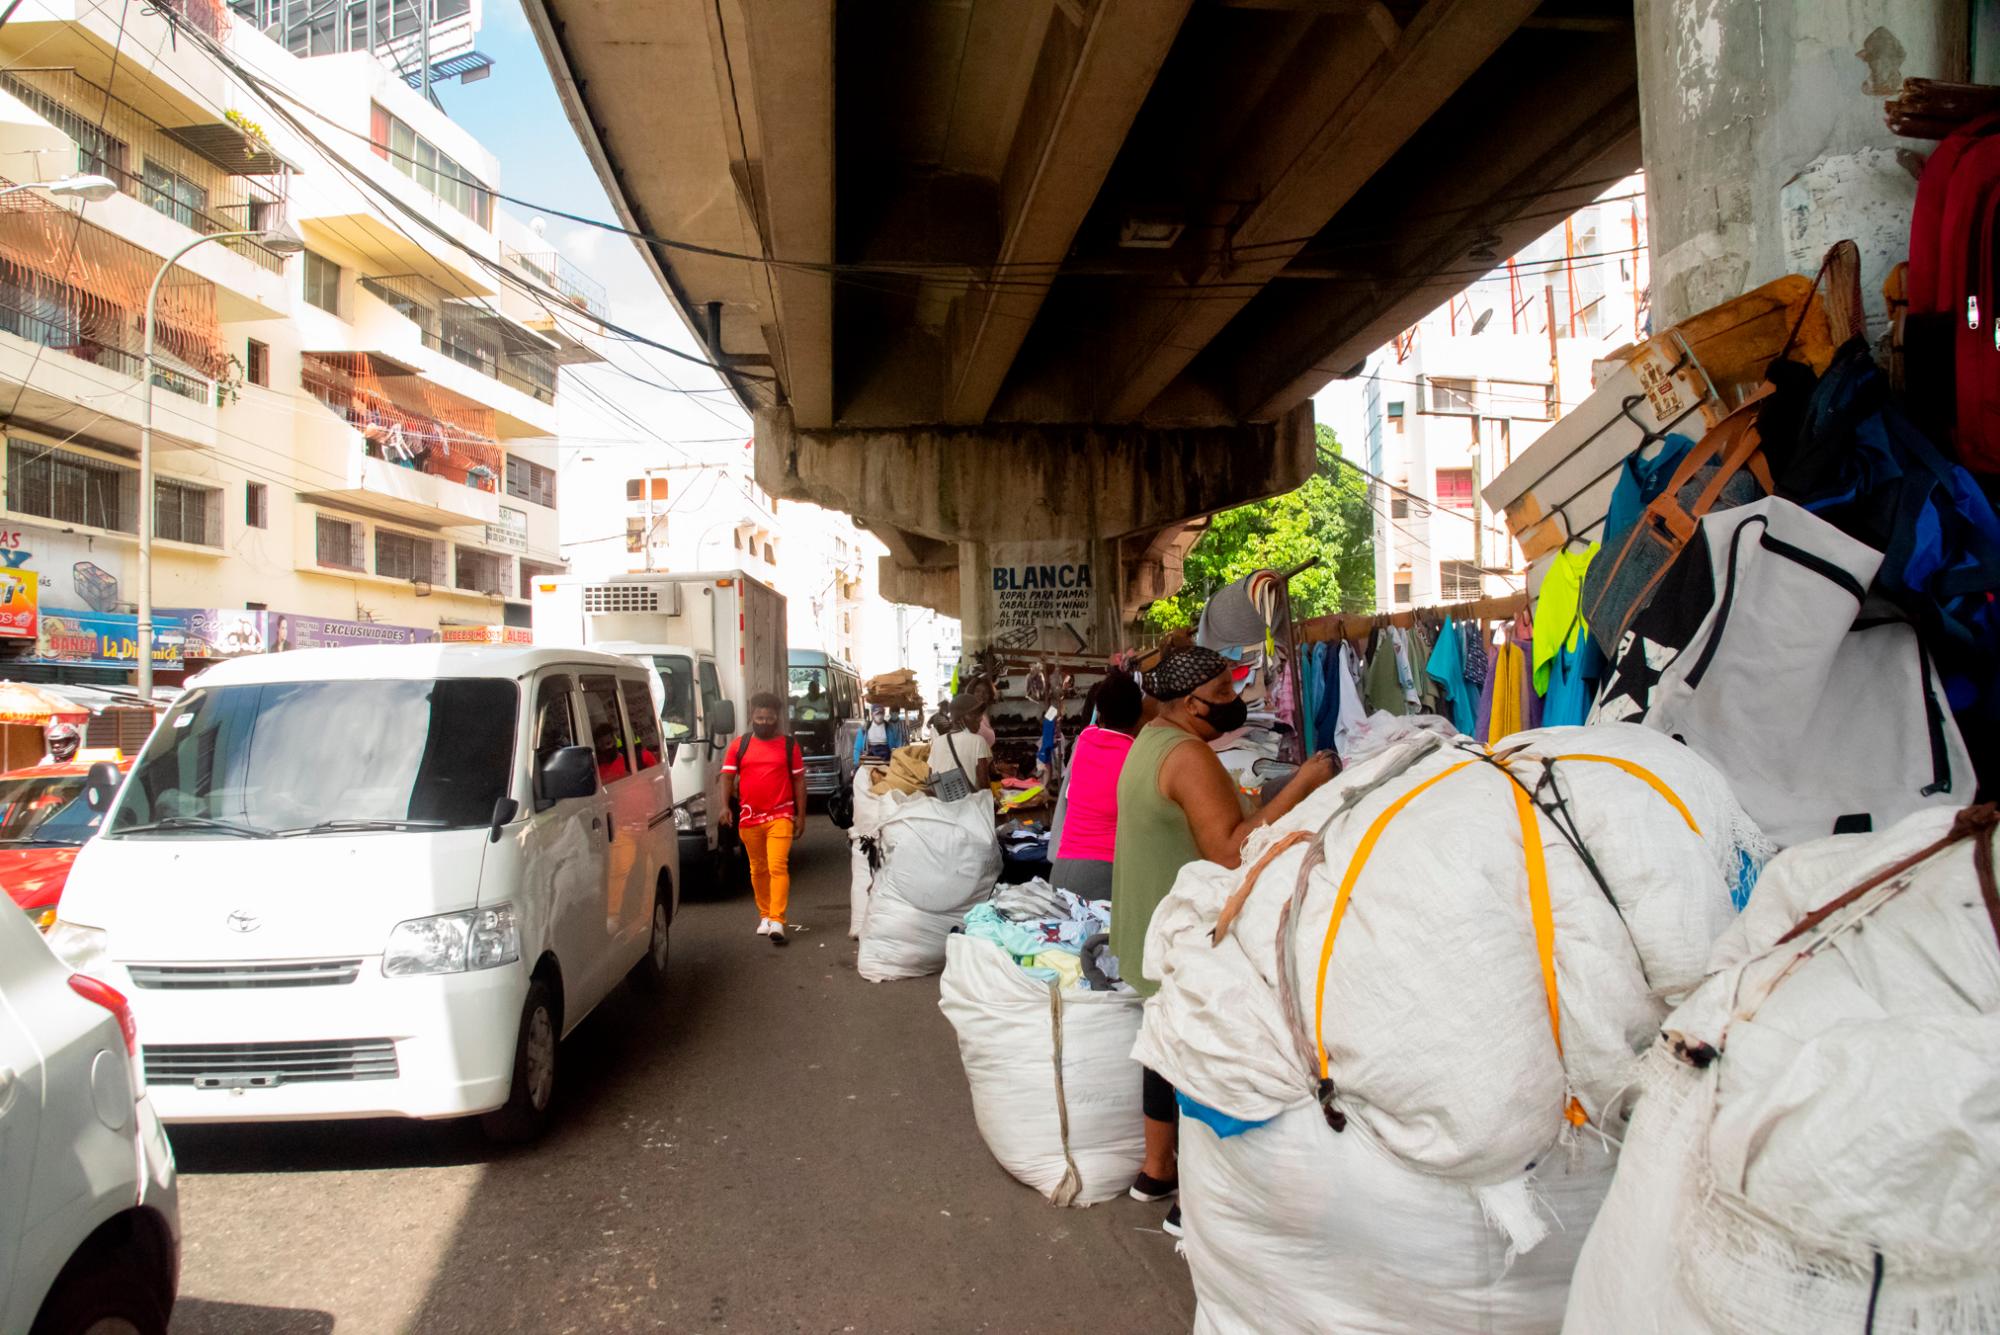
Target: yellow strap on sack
(1543,915)
(1647,777)
(1354,866)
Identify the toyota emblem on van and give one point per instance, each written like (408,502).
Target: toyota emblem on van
(239,921)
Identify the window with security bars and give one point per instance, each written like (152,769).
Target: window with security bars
(71,488)
(531,482)
(482,572)
(337,543)
(183,512)
(1460,582)
(405,556)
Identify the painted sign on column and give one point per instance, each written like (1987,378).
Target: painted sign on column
(1043,597)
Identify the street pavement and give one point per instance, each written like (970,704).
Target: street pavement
(776,1146)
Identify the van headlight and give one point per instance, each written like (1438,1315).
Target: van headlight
(86,950)
(692,814)
(453,943)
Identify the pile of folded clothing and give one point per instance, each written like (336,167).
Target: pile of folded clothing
(1049,933)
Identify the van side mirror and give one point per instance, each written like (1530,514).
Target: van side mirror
(721,718)
(100,785)
(568,772)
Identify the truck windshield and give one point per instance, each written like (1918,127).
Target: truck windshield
(677,682)
(812,701)
(322,757)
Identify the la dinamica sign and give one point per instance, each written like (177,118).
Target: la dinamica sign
(1042,597)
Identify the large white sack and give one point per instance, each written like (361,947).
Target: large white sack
(1291,1227)
(938,860)
(1054,1088)
(1853,1112)
(1435,1014)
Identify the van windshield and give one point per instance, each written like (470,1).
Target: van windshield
(323,757)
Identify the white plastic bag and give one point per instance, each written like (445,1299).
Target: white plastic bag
(860,879)
(1847,1116)
(1054,1088)
(938,860)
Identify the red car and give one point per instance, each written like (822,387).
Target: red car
(43,821)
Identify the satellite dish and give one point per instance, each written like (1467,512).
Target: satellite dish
(1485,318)
(539,226)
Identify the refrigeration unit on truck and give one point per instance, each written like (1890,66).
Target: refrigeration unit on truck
(709,640)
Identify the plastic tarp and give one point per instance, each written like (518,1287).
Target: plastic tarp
(1835,1163)
(938,860)
(1054,1088)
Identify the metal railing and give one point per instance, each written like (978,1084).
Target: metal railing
(552,270)
(457,329)
(109,134)
(67,337)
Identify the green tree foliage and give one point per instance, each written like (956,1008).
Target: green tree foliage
(1327,518)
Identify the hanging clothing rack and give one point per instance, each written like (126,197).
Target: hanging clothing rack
(1356,625)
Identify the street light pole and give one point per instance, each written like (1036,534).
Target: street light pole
(278,242)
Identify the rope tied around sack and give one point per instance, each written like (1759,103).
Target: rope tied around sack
(1071,1185)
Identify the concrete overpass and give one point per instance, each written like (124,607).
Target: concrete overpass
(1070,270)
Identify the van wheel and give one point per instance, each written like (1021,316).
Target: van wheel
(650,973)
(107,1299)
(525,1115)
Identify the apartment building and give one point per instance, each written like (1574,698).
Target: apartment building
(705,511)
(1452,400)
(352,444)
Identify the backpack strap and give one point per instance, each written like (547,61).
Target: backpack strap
(742,750)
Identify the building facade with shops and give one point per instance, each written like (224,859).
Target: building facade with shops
(353,444)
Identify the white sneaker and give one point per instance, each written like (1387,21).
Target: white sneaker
(763,926)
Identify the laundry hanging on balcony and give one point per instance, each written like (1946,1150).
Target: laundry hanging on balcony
(89,287)
(407,419)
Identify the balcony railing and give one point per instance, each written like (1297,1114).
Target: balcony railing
(552,270)
(174,181)
(65,336)
(471,335)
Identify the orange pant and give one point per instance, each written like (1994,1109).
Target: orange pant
(770,849)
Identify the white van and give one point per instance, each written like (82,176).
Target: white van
(380,881)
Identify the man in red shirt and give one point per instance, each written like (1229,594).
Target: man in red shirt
(766,774)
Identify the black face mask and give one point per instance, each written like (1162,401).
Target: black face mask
(764,732)
(1226,718)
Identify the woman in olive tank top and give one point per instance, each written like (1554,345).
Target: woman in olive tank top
(1176,805)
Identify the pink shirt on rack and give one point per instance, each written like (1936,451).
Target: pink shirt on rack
(1090,825)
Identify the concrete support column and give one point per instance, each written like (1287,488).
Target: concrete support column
(1107,610)
(1764,140)
(975,600)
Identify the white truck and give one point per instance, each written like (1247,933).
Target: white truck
(710,640)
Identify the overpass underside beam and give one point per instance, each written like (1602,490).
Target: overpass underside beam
(1125,498)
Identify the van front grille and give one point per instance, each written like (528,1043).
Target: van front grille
(291,973)
(265,1065)
(621,598)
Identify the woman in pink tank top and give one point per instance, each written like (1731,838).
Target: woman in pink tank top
(1090,818)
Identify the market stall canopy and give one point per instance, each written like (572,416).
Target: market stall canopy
(24,704)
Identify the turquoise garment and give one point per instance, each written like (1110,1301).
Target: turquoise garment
(1447,669)
(985,922)
(1572,684)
